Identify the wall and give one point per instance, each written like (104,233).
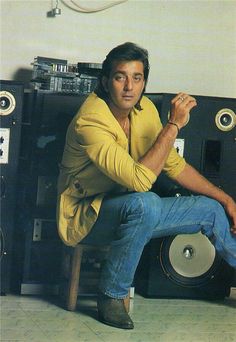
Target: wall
(192,44)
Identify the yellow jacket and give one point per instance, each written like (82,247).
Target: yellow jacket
(98,159)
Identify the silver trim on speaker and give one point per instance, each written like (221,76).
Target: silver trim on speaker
(7,103)
(225,119)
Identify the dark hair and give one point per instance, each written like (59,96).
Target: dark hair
(124,52)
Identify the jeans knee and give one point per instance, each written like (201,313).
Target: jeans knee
(217,222)
(148,206)
(152,207)
(213,206)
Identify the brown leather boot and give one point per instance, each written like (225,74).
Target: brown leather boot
(112,312)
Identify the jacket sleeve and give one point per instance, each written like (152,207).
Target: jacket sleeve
(174,164)
(109,152)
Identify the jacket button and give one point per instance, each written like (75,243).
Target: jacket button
(78,187)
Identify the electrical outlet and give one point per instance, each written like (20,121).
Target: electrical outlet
(4,145)
(179,145)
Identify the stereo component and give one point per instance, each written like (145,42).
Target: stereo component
(11,101)
(46,118)
(7,102)
(225,119)
(183,266)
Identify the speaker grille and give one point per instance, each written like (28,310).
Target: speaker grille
(7,103)
(225,119)
(189,259)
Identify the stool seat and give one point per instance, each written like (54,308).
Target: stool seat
(71,266)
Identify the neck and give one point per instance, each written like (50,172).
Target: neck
(125,125)
(122,116)
(118,113)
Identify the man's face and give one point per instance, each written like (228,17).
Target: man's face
(124,86)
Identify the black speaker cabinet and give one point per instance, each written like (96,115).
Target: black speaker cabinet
(183,266)
(208,142)
(45,121)
(11,99)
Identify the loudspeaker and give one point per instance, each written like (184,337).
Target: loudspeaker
(183,266)
(11,100)
(208,142)
(46,117)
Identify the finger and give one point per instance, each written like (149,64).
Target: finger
(189,99)
(233,230)
(233,226)
(179,98)
(190,103)
(184,99)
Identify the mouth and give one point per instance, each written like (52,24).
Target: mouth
(127,97)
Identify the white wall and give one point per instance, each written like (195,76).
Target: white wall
(192,44)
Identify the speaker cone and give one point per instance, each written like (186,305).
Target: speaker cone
(189,259)
(225,119)
(7,103)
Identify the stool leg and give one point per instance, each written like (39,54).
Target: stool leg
(73,285)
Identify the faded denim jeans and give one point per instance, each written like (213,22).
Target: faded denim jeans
(128,221)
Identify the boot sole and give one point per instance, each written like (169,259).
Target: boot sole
(127,327)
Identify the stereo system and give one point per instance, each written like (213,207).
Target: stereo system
(11,100)
(176,266)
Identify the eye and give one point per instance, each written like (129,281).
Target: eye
(138,78)
(120,78)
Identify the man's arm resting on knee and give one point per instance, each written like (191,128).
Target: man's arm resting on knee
(192,180)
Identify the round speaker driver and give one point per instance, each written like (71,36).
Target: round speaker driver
(225,119)
(191,255)
(189,259)
(7,103)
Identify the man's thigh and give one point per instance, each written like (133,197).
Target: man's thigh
(185,215)
(109,218)
(140,209)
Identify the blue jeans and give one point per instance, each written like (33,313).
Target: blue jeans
(128,221)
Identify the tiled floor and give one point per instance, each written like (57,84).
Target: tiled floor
(31,319)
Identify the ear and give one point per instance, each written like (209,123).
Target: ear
(105,83)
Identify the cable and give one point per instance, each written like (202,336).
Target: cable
(73,4)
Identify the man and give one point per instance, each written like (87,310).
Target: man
(115,149)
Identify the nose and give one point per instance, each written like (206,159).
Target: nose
(128,83)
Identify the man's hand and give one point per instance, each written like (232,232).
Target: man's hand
(181,105)
(230,208)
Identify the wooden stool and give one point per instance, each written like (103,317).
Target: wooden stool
(71,265)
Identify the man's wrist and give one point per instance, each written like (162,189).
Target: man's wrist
(174,124)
